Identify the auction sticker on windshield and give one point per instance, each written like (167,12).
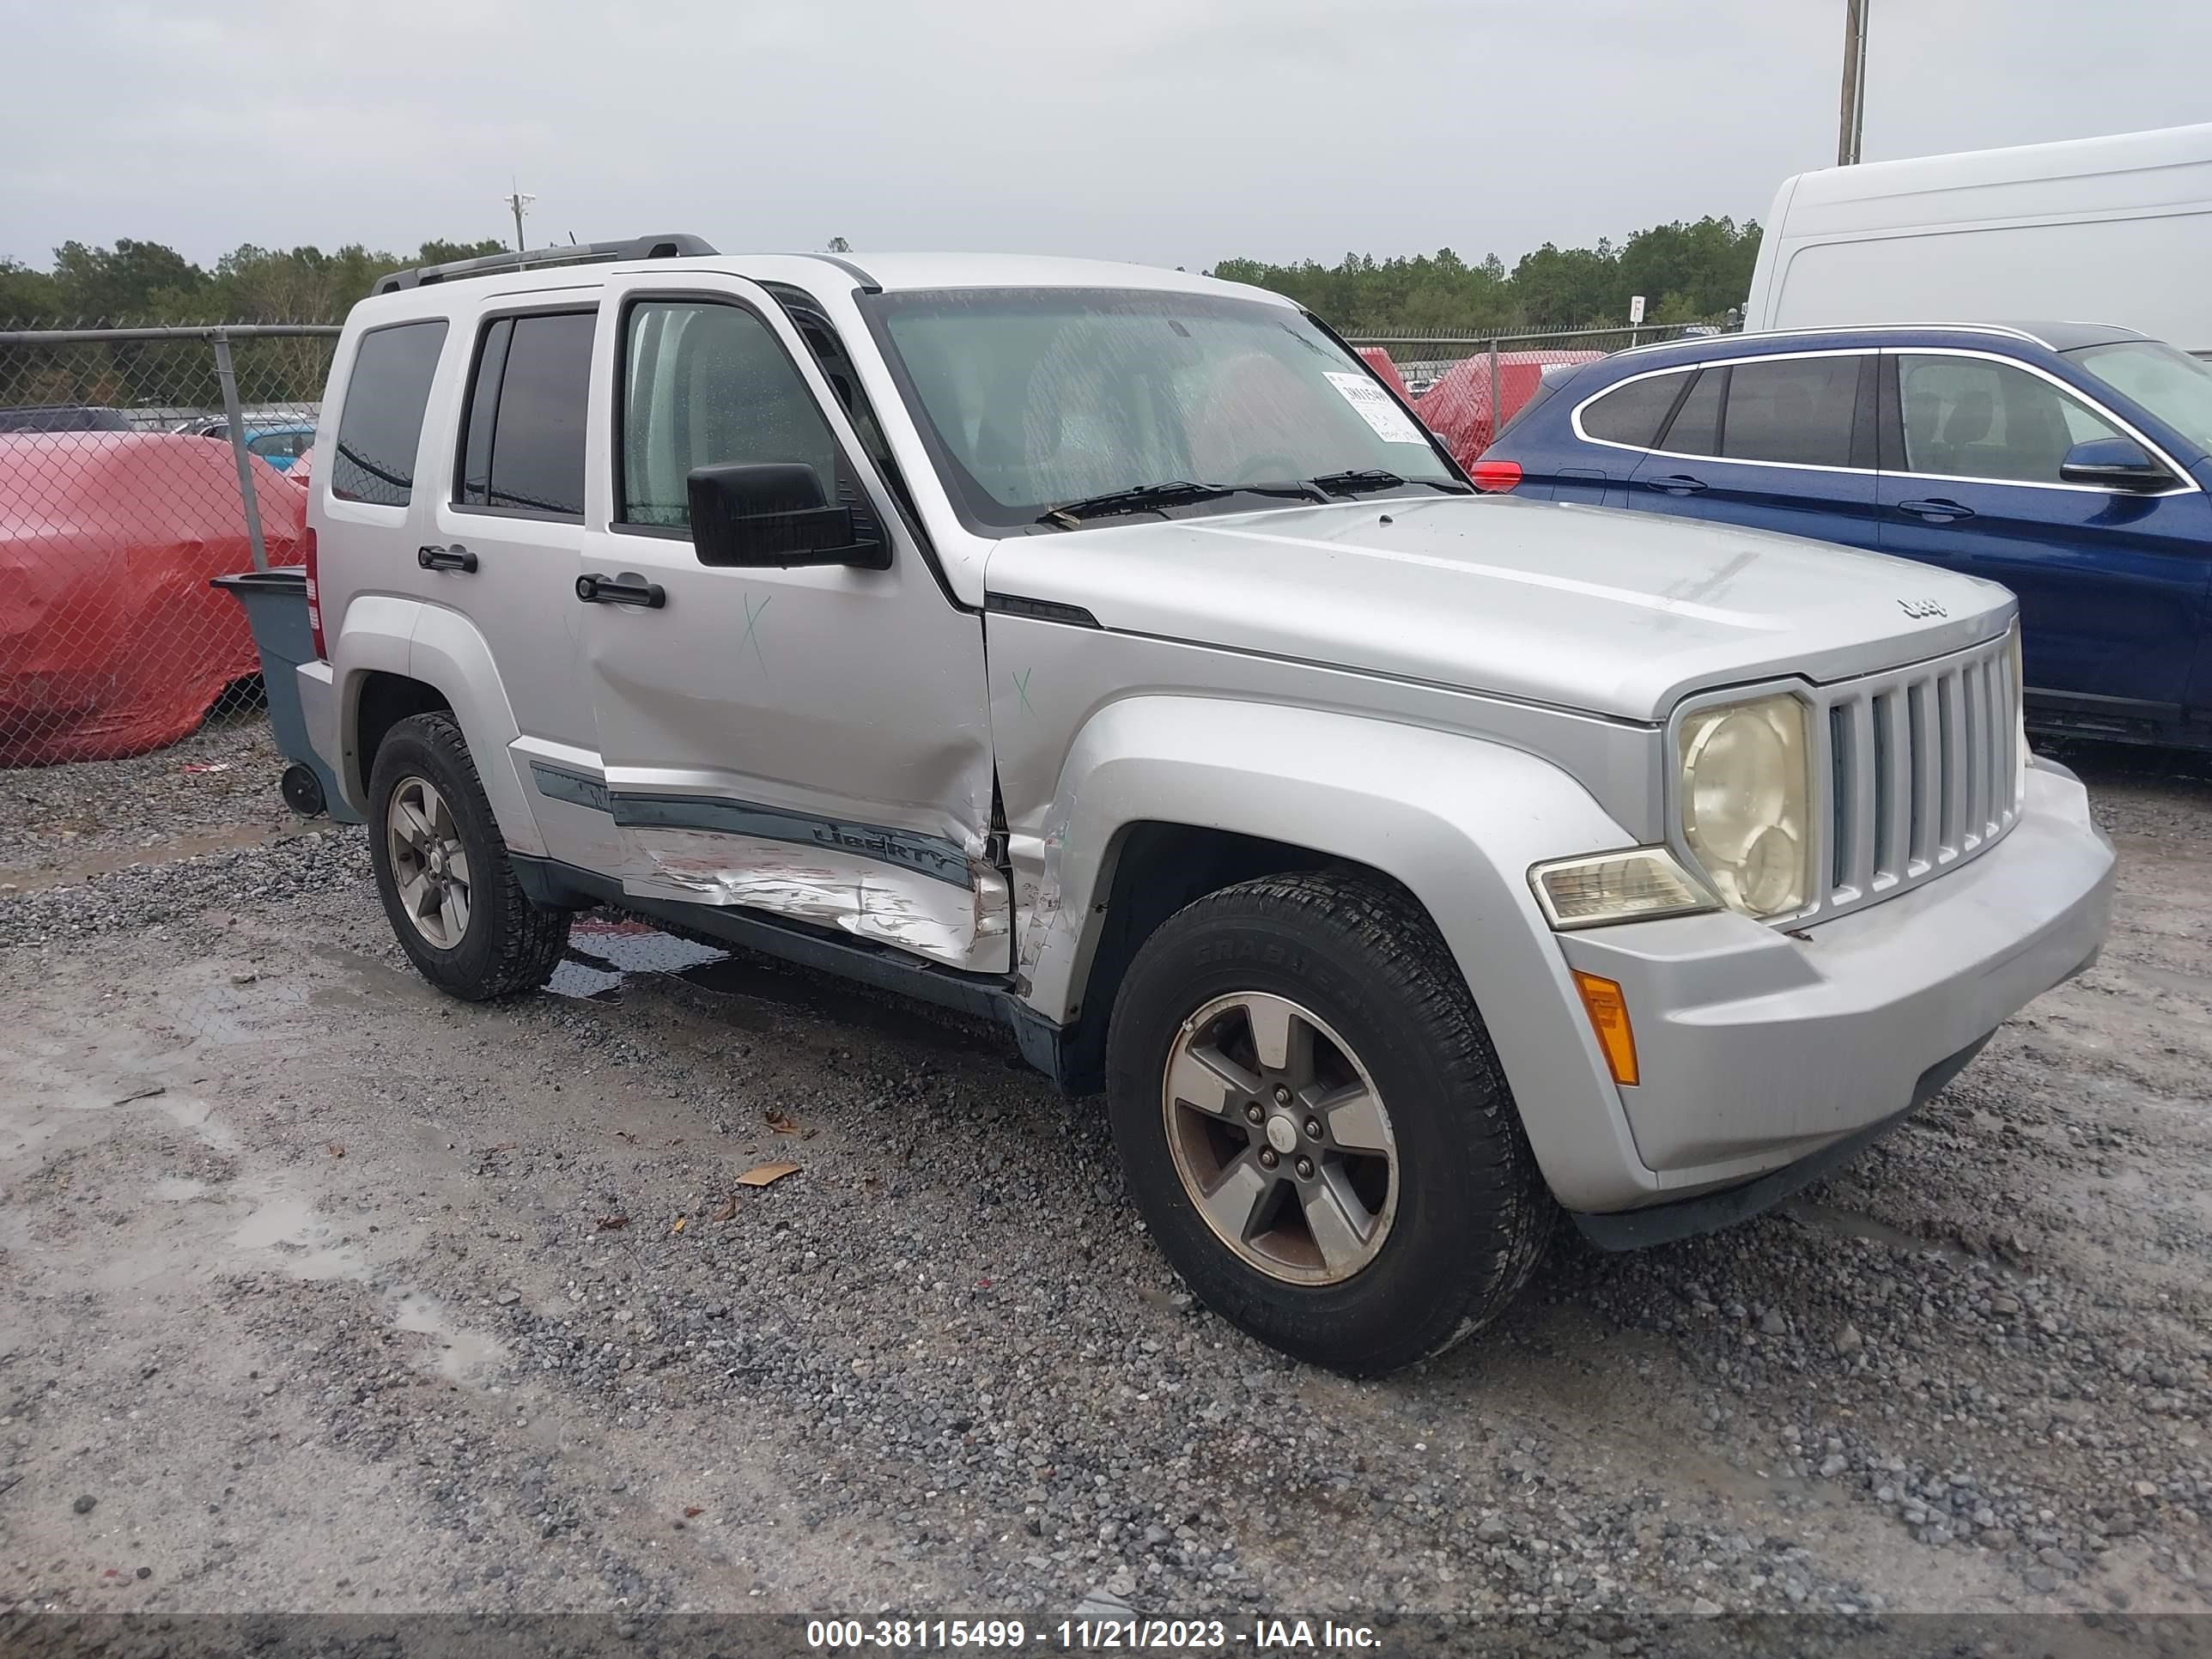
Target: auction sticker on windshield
(1376,406)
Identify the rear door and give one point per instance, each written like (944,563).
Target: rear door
(1783,442)
(508,529)
(2112,583)
(813,743)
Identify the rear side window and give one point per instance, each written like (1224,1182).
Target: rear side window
(1631,414)
(522,447)
(1797,410)
(381,425)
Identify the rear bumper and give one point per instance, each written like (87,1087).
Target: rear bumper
(1760,1048)
(319,712)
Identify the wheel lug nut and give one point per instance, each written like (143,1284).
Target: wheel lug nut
(1269,1159)
(1313,1128)
(1282,1095)
(1252,1113)
(1306,1169)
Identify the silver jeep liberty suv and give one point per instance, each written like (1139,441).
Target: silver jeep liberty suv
(1106,652)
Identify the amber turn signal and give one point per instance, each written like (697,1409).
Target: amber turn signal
(1609,1016)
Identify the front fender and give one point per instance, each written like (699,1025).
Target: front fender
(1457,820)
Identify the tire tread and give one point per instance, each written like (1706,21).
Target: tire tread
(1382,933)
(528,939)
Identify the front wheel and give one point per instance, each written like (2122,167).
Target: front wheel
(1315,1125)
(443,873)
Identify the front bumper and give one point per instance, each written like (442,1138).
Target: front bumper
(1760,1048)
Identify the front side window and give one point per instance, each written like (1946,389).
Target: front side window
(704,384)
(1038,396)
(522,447)
(1795,410)
(2172,385)
(381,425)
(1634,414)
(1968,418)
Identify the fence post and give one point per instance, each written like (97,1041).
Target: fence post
(1494,421)
(236,422)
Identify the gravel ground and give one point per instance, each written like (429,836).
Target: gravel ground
(323,1292)
(216,788)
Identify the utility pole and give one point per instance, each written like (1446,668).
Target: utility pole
(1853,123)
(518,200)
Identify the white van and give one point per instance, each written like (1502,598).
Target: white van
(2108,230)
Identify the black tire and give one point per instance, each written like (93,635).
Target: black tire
(1473,1215)
(508,943)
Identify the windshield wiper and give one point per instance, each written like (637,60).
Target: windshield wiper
(1176,492)
(1362,479)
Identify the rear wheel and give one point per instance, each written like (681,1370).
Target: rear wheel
(1315,1125)
(443,872)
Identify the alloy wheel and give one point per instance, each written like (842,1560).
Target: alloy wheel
(429,866)
(1280,1138)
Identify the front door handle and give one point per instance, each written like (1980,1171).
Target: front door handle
(1676,483)
(1937,509)
(455,558)
(629,588)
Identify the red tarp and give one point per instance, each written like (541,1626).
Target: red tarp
(1379,360)
(1457,407)
(112,642)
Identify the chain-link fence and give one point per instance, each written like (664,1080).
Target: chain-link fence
(1466,386)
(135,465)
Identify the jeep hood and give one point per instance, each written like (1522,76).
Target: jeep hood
(1587,608)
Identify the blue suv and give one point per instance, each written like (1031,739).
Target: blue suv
(2066,460)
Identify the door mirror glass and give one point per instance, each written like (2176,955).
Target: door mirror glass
(2113,463)
(772,512)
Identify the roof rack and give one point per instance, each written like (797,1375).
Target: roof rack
(677,246)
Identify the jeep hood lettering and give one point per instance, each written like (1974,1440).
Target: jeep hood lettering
(1586,607)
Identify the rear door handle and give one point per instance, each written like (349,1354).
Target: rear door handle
(1676,483)
(629,588)
(1936,509)
(455,558)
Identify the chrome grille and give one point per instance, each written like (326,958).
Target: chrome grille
(1921,767)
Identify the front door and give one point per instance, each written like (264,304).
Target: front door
(810,743)
(2112,585)
(1781,443)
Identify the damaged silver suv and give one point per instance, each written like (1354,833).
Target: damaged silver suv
(1106,652)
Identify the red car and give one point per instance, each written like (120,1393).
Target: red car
(111,641)
(1457,407)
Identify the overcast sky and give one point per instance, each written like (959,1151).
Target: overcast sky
(1168,131)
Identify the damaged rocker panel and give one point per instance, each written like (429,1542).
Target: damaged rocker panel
(934,856)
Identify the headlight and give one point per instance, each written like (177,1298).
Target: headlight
(1745,789)
(1640,884)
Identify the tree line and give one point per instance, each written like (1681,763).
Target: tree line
(1686,272)
(138,283)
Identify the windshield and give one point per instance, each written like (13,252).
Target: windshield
(2172,385)
(1034,397)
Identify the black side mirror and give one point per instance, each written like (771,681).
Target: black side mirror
(774,513)
(2113,463)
